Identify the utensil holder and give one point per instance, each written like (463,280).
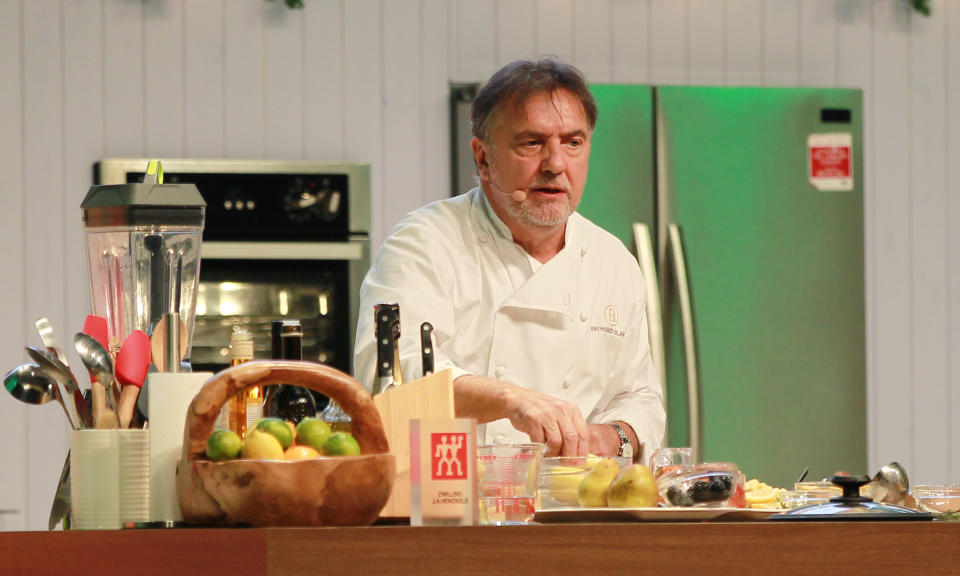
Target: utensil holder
(110,478)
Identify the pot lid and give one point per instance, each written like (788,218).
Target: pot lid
(151,203)
(851,506)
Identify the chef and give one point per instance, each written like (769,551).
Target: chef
(538,312)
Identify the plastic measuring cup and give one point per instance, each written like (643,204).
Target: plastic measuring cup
(507,482)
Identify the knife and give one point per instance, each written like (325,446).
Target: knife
(386,329)
(426,347)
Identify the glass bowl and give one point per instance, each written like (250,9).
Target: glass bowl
(561,475)
(708,485)
(790,499)
(941,500)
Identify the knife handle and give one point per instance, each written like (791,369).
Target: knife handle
(386,316)
(426,347)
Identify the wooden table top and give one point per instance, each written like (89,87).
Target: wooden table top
(742,548)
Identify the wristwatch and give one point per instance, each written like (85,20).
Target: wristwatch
(626,448)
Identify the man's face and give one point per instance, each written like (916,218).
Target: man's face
(541,149)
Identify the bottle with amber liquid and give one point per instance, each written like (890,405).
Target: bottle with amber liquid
(286,401)
(247,406)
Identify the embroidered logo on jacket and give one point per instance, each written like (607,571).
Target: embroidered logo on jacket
(612,317)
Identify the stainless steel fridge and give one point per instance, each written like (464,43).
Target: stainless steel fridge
(745,207)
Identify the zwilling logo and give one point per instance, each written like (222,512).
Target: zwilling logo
(449,460)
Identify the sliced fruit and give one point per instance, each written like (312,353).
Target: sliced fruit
(762,496)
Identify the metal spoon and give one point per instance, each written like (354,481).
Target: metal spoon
(893,486)
(98,363)
(73,398)
(29,383)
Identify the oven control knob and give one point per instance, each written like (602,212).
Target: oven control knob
(306,201)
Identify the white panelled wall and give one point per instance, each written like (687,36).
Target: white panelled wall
(366,81)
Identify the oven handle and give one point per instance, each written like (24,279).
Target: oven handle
(350,250)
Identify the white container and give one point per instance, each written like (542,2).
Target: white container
(109,478)
(169,396)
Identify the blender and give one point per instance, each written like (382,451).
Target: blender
(143,254)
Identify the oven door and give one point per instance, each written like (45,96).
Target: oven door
(254,283)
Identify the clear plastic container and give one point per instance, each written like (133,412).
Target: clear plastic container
(707,485)
(561,475)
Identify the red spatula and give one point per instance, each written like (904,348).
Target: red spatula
(133,360)
(96,326)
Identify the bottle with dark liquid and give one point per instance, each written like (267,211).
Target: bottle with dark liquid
(286,401)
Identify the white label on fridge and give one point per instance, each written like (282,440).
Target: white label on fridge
(830,161)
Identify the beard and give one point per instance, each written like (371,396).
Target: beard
(540,212)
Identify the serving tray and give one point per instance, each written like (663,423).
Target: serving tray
(576,514)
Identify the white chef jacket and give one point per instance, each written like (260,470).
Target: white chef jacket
(573,328)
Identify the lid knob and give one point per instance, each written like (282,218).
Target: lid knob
(851,489)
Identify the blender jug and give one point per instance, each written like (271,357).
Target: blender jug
(143,255)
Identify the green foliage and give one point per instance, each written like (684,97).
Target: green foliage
(293,4)
(921,6)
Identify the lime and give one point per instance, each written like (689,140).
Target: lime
(223,445)
(277,428)
(341,444)
(260,445)
(313,432)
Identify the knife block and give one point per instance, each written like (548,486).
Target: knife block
(428,397)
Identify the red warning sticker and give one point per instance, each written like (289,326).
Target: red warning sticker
(830,161)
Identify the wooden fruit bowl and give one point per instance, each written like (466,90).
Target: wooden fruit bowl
(327,491)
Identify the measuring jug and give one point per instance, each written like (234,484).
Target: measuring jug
(507,482)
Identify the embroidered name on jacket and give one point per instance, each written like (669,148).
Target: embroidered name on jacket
(608,330)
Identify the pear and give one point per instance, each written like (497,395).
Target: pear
(592,491)
(634,487)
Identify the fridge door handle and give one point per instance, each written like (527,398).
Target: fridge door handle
(675,251)
(644,245)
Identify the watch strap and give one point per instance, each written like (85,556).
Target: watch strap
(624,440)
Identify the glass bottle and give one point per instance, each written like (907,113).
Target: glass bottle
(247,407)
(334,416)
(286,401)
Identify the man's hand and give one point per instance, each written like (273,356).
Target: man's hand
(546,419)
(554,422)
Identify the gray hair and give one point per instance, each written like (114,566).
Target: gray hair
(513,84)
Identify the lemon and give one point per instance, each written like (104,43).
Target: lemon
(260,445)
(341,444)
(299,452)
(313,432)
(223,445)
(563,487)
(762,496)
(277,428)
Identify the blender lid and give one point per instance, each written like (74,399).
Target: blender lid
(851,506)
(143,205)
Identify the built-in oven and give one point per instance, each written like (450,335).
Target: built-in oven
(282,240)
